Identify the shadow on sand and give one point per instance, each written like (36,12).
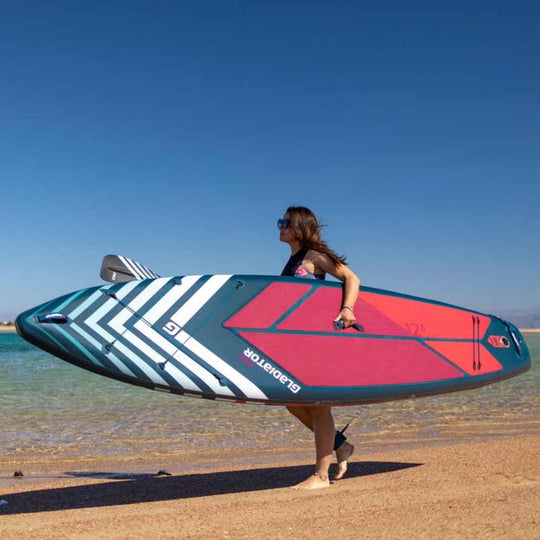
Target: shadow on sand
(136,488)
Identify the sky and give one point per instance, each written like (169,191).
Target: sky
(176,133)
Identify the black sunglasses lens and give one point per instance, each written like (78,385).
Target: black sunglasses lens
(283,223)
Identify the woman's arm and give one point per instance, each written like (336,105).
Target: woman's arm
(351,284)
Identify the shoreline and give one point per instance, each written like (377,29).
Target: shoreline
(456,490)
(7,329)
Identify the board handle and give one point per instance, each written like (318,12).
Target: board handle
(339,325)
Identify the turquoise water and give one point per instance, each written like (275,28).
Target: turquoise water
(51,409)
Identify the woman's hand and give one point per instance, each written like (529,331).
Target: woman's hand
(347,316)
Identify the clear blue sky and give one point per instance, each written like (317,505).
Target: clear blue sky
(177,132)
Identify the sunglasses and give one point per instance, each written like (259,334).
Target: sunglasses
(283,223)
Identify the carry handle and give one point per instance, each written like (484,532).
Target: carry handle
(339,325)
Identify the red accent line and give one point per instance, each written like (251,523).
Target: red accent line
(245,360)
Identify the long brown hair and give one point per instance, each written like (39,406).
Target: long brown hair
(307,230)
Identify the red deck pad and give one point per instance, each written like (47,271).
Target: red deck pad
(340,361)
(317,314)
(268,306)
(462,355)
(425,319)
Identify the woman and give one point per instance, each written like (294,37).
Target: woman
(312,258)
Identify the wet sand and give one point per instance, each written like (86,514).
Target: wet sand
(467,490)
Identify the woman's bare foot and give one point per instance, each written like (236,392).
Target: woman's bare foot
(315,481)
(343,453)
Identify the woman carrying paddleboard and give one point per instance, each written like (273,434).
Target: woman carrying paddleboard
(312,258)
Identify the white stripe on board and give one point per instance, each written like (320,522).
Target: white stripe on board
(180,377)
(199,299)
(141,364)
(125,289)
(118,322)
(208,378)
(247,387)
(150,290)
(92,323)
(93,319)
(158,342)
(144,328)
(86,304)
(115,360)
(182,337)
(165,303)
(80,346)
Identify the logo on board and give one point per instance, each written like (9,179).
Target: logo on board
(500,342)
(272,370)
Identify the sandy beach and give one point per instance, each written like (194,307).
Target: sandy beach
(7,329)
(467,490)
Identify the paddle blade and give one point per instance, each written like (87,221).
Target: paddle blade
(116,268)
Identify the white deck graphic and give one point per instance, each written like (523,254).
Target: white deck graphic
(149,350)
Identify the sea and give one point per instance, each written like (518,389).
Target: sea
(51,410)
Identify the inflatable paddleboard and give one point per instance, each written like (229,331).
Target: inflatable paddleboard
(271,340)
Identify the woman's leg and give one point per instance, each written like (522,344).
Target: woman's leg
(303,414)
(324,430)
(344,451)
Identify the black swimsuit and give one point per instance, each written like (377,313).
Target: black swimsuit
(294,267)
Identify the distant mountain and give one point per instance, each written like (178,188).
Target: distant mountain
(523,318)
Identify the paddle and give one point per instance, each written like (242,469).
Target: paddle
(116,268)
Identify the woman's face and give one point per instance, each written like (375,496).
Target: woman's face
(285,233)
